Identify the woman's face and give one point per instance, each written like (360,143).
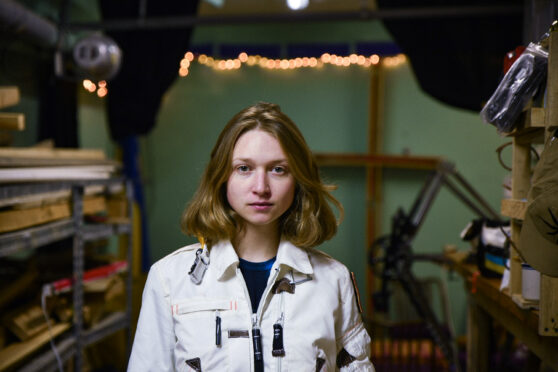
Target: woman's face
(260,188)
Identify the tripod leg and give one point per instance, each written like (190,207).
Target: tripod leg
(423,308)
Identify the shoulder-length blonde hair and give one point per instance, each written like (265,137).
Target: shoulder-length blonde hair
(308,222)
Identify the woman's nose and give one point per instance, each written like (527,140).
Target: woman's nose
(261,183)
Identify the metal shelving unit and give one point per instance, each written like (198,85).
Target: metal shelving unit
(72,343)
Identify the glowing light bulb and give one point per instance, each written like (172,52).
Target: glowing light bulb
(189,56)
(183,72)
(297,4)
(375,59)
(184,63)
(326,57)
(202,59)
(102,92)
(87,83)
(243,57)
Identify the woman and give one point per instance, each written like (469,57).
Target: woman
(254,294)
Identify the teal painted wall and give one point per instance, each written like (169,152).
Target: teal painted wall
(330,105)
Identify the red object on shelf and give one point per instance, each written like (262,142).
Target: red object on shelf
(65,285)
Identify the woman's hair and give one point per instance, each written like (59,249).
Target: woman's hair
(308,222)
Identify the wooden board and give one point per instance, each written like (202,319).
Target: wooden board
(12,121)
(548,306)
(9,96)
(58,153)
(514,208)
(46,197)
(11,220)
(26,323)
(16,352)
(58,173)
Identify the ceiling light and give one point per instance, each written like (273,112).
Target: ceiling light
(297,4)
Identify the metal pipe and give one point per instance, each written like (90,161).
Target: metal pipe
(15,18)
(358,15)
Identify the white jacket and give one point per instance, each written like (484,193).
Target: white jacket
(176,330)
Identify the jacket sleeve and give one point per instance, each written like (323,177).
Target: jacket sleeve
(154,339)
(353,341)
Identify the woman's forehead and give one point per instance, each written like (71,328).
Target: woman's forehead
(258,144)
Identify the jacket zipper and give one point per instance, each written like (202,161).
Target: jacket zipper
(281,322)
(256,318)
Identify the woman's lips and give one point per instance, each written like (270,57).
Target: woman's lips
(261,206)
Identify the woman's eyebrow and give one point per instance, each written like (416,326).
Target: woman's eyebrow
(249,160)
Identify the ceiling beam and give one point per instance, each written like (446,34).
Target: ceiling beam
(178,22)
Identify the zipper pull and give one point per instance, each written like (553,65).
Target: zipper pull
(257,341)
(278,350)
(217,328)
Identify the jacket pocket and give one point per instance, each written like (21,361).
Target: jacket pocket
(199,341)
(196,305)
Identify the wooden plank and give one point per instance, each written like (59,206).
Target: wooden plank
(49,162)
(388,161)
(58,153)
(16,352)
(26,323)
(521,170)
(43,198)
(548,305)
(521,176)
(508,315)
(12,121)
(9,96)
(58,173)
(479,327)
(513,208)
(374,174)
(536,117)
(12,220)
(551,116)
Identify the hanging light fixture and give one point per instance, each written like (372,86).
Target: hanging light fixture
(297,4)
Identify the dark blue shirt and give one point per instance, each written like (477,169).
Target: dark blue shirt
(255,275)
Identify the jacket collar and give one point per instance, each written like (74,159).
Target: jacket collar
(223,256)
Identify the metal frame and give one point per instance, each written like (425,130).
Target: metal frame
(72,344)
(398,256)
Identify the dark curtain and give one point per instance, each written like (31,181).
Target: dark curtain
(149,65)
(457,60)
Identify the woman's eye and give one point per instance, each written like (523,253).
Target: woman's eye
(243,168)
(279,170)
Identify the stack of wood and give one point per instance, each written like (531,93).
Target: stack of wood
(23,327)
(19,165)
(44,163)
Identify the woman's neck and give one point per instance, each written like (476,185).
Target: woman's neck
(257,243)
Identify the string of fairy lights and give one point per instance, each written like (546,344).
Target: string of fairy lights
(243,59)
